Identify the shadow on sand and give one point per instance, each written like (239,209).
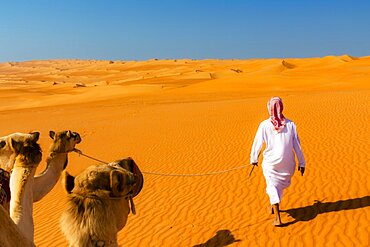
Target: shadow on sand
(310,212)
(222,238)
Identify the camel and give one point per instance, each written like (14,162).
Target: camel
(16,151)
(10,235)
(8,155)
(57,160)
(21,185)
(22,153)
(98,202)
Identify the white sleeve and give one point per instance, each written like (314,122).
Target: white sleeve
(297,148)
(257,145)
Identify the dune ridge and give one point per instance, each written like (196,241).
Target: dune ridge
(199,116)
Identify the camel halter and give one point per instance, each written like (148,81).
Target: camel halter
(127,196)
(55,153)
(87,156)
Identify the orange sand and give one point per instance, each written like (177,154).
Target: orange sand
(190,116)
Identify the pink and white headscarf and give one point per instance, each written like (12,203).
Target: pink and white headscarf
(275,108)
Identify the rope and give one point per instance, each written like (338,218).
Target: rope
(194,174)
(92,158)
(171,174)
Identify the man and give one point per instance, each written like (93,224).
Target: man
(278,165)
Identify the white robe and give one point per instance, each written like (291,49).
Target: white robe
(278,163)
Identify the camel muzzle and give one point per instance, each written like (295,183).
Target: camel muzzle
(77,137)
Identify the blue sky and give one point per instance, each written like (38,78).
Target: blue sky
(198,29)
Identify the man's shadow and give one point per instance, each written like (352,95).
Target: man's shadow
(310,212)
(222,238)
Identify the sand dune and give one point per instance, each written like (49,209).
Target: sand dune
(200,116)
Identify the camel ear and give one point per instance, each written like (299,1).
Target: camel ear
(35,136)
(17,146)
(52,134)
(2,144)
(69,134)
(116,182)
(68,182)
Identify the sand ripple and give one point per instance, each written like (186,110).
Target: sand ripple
(173,117)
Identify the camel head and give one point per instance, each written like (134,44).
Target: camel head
(19,146)
(98,205)
(102,181)
(64,141)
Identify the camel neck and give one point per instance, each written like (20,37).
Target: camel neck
(21,203)
(46,180)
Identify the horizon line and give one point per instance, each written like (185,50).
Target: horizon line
(183,58)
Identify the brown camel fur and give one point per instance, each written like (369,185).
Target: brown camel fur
(98,204)
(21,185)
(9,145)
(9,151)
(21,153)
(10,235)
